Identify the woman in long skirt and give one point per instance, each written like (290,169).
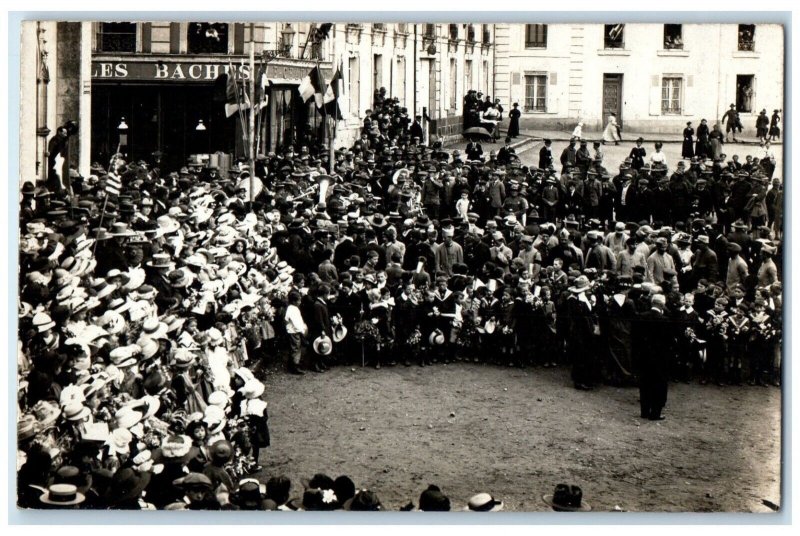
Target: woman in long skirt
(716,138)
(688,141)
(513,126)
(611,133)
(774,129)
(703,148)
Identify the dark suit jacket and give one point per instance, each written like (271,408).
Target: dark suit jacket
(319,321)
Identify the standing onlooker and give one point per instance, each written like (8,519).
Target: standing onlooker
(766,158)
(296,329)
(611,133)
(774,129)
(637,155)
(546,155)
(703,147)
(687,151)
(729,118)
(655,351)
(658,157)
(762,125)
(513,125)
(568,156)
(716,139)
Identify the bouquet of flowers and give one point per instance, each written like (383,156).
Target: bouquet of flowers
(414,339)
(367,333)
(467,335)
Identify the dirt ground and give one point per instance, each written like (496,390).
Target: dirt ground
(516,433)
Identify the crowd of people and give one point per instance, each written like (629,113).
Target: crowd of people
(151,303)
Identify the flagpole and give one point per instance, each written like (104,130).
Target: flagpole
(336,102)
(252,122)
(239,102)
(111,169)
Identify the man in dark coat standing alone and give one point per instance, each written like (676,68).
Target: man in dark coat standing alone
(319,323)
(655,347)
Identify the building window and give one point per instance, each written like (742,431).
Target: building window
(116,37)
(400,80)
(614,36)
(377,73)
(453,31)
(673,37)
(429,30)
(379,26)
(485,87)
(745,90)
(536,93)
(747,34)
(671,95)
(352,86)
(470,33)
(402,28)
(468,75)
(487,34)
(207,38)
(453,83)
(536,36)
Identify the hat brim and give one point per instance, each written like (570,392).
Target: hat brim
(584,507)
(79,498)
(578,290)
(496,508)
(339,334)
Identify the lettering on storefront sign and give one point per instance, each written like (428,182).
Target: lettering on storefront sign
(164,71)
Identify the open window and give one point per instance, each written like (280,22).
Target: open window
(614,36)
(673,37)
(747,33)
(207,38)
(745,90)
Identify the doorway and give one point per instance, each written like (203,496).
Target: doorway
(745,91)
(612,97)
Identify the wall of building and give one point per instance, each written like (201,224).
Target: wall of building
(575,61)
(410,52)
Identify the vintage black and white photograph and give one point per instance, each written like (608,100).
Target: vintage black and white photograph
(454,266)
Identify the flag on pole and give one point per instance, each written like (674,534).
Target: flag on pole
(228,92)
(616,31)
(262,91)
(332,94)
(313,85)
(113,184)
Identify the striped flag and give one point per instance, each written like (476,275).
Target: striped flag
(113,184)
(333,93)
(313,85)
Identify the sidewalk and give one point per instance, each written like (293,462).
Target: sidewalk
(521,143)
(562,135)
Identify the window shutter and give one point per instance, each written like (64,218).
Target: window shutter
(238,38)
(688,94)
(174,37)
(655,95)
(147,37)
(553,79)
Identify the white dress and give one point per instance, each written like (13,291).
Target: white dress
(610,133)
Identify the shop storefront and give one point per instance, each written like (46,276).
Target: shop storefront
(170,110)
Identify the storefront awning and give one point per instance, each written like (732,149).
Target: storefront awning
(284,81)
